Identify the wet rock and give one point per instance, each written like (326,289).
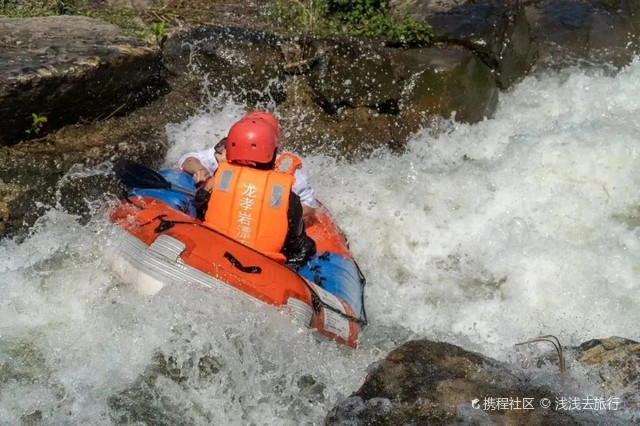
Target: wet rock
(348,89)
(440,82)
(160,396)
(83,191)
(354,73)
(22,361)
(497,31)
(31,171)
(615,364)
(425,382)
(245,64)
(8,193)
(68,69)
(359,96)
(570,32)
(32,419)
(349,132)
(310,389)
(36,169)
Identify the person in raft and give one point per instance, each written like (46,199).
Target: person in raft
(254,203)
(203,164)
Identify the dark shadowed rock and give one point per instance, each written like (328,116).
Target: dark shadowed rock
(350,132)
(70,69)
(160,395)
(425,382)
(570,32)
(354,73)
(496,30)
(246,64)
(30,172)
(359,96)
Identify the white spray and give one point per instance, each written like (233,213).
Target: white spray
(485,235)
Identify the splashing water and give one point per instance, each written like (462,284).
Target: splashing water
(517,226)
(485,236)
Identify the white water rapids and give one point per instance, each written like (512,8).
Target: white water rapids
(483,236)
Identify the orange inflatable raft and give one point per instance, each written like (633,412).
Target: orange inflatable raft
(165,244)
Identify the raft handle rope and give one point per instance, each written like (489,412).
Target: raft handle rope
(363,282)
(317,302)
(164,225)
(236,263)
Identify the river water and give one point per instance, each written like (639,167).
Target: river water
(484,235)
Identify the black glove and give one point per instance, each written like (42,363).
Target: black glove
(201,202)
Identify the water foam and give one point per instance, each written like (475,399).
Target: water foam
(485,235)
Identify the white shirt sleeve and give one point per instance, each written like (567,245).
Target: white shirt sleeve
(303,189)
(207,157)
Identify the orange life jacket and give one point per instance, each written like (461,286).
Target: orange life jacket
(287,163)
(251,206)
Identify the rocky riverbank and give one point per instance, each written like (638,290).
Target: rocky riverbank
(75,90)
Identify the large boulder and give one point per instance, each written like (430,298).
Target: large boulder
(356,95)
(31,172)
(425,382)
(353,73)
(339,95)
(497,31)
(443,82)
(571,32)
(246,64)
(356,73)
(68,69)
(158,395)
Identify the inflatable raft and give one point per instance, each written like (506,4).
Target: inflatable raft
(164,244)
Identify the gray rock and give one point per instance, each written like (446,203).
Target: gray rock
(353,73)
(615,363)
(246,64)
(30,173)
(69,69)
(425,382)
(439,82)
(495,30)
(570,32)
(160,396)
(355,94)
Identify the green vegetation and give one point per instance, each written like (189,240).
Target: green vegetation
(36,125)
(158,30)
(294,15)
(29,8)
(371,18)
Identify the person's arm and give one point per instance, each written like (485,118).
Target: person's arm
(302,187)
(199,164)
(298,246)
(195,168)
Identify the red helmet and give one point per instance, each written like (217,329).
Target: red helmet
(251,139)
(269,118)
